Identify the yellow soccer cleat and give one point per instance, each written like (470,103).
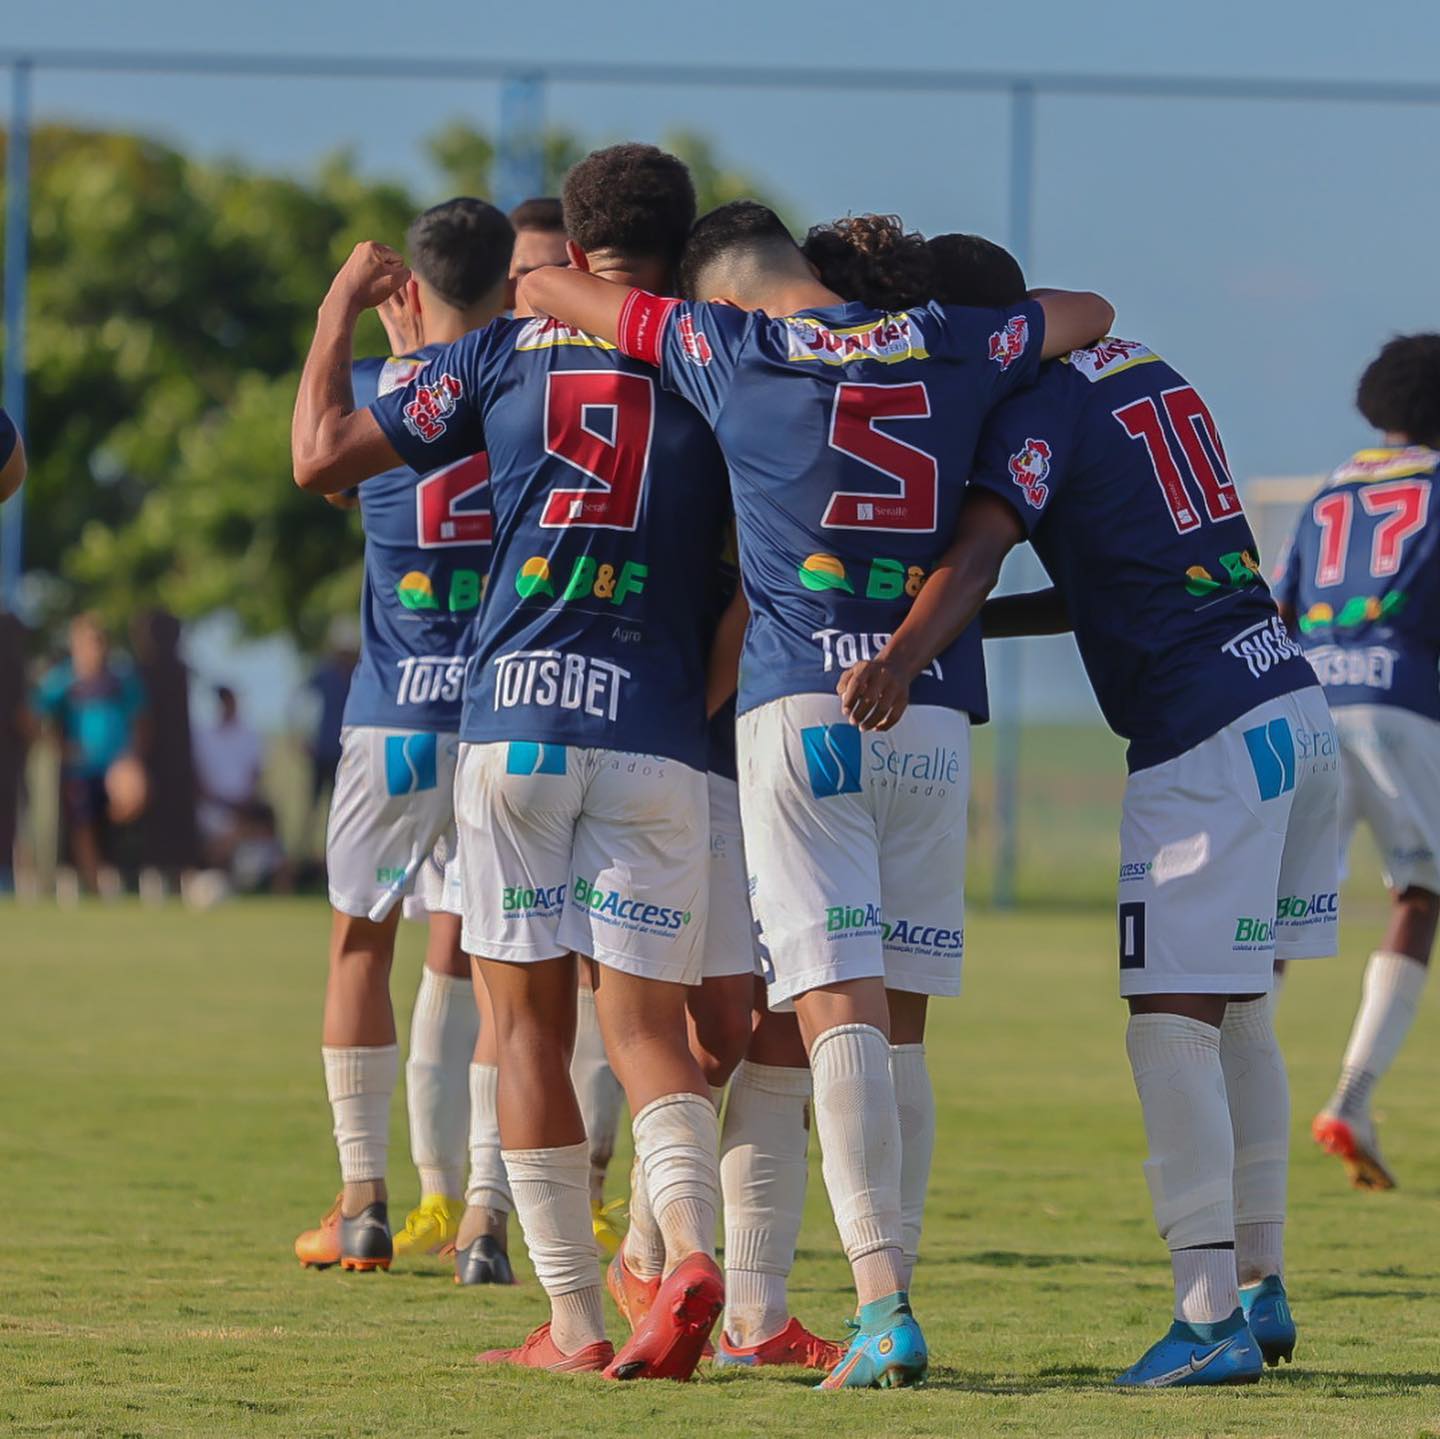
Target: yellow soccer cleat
(608,1233)
(430,1226)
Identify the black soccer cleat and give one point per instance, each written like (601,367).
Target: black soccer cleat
(365,1242)
(483,1262)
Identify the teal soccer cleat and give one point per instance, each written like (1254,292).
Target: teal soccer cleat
(887,1350)
(1271,1323)
(1192,1354)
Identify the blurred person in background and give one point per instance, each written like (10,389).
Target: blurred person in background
(94,704)
(327,687)
(539,239)
(16,728)
(229,757)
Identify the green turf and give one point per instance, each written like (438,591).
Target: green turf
(163,1135)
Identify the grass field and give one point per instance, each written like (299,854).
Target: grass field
(163,1135)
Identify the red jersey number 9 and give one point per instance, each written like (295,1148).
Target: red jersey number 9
(600,423)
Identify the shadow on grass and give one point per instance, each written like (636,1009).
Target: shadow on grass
(1018,1259)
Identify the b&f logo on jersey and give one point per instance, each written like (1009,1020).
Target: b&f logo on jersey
(693,343)
(426,414)
(1030,468)
(1007,345)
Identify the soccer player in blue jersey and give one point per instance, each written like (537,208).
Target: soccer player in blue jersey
(427,547)
(1113,468)
(848,433)
(580,791)
(1361,586)
(12,458)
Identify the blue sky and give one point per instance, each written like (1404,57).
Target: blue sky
(1266,249)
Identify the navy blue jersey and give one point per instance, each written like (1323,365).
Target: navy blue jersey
(1117,472)
(609,499)
(849,434)
(8,435)
(427,550)
(1363,575)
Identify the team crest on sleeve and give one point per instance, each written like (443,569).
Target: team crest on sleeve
(695,346)
(1007,345)
(1030,468)
(432,405)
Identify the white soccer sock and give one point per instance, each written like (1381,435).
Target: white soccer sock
(1191,1167)
(1258,1090)
(644,1244)
(489,1186)
(597,1090)
(677,1141)
(442,1039)
(859,1124)
(552,1198)
(360,1082)
(1205,1290)
(915,1101)
(1393,983)
(763,1172)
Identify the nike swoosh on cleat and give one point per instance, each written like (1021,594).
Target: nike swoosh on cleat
(1197,1363)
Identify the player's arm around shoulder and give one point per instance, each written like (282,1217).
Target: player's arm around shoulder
(875,693)
(1073,319)
(333,446)
(577,298)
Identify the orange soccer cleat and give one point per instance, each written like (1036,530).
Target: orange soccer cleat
(361,1243)
(671,1339)
(793,1345)
(539,1351)
(633,1295)
(1355,1148)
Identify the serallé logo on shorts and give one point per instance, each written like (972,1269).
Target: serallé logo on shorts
(832,757)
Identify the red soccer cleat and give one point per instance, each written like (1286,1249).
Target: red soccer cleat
(539,1351)
(670,1341)
(1355,1148)
(633,1295)
(794,1345)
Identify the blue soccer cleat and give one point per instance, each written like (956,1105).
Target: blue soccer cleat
(1190,1354)
(1271,1323)
(887,1350)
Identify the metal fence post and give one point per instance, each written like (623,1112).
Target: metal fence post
(17,243)
(520,164)
(1004,659)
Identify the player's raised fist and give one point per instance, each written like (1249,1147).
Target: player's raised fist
(873,694)
(370,276)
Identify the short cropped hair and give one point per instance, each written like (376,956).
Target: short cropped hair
(461,249)
(634,199)
(542,212)
(873,259)
(1400,389)
(971,270)
(739,226)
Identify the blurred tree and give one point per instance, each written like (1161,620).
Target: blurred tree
(171,301)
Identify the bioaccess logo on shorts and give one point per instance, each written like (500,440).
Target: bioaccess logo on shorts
(832,757)
(628,913)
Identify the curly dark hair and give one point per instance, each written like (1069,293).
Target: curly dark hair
(633,199)
(461,249)
(1400,389)
(873,259)
(971,270)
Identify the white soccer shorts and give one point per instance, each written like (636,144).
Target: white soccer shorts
(1390,778)
(730,946)
(393,799)
(593,850)
(856,845)
(1229,854)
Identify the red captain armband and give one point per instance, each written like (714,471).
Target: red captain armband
(642,325)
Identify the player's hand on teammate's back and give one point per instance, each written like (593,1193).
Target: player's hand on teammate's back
(873,694)
(371,275)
